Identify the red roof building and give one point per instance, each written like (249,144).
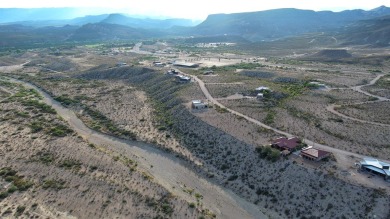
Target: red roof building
(314,154)
(286,143)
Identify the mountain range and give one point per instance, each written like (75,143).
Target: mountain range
(279,23)
(351,26)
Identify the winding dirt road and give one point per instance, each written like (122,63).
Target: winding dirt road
(166,169)
(335,151)
(331,108)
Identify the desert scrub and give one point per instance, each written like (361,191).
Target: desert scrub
(257,74)
(44,108)
(53,184)
(234,67)
(101,123)
(11,176)
(36,126)
(44,157)
(266,152)
(66,100)
(70,164)
(60,130)
(270,117)
(220,109)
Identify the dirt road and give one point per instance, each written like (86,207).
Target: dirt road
(166,169)
(335,151)
(331,108)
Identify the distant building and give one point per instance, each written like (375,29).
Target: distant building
(186,64)
(261,89)
(173,72)
(314,154)
(317,85)
(375,166)
(286,143)
(208,72)
(260,96)
(158,64)
(182,79)
(198,104)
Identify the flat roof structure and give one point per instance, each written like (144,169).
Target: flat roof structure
(182,78)
(186,64)
(261,88)
(198,104)
(376,166)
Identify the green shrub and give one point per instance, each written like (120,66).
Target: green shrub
(19,210)
(70,164)
(166,208)
(60,130)
(3,195)
(12,189)
(65,100)
(53,184)
(41,106)
(266,152)
(36,126)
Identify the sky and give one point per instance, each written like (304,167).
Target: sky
(194,9)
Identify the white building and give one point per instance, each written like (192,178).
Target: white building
(198,104)
(262,89)
(375,166)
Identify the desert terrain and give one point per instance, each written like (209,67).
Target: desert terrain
(122,141)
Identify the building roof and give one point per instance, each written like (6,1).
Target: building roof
(186,64)
(316,153)
(376,165)
(290,143)
(262,88)
(196,101)
(183,78)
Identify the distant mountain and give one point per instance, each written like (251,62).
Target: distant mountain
(373,32)
(24,36)
(279,23)
(40,17)
(105,31)
(146,23)
(20,36)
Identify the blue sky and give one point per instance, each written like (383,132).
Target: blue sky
(194,9)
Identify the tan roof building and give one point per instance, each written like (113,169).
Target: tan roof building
(314,154)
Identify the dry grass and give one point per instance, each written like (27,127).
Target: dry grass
(70,177)
(375,112)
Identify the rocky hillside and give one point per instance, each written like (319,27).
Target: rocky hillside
(373,32)
(277,23)
(273,186)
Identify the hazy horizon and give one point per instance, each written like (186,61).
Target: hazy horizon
(196,10)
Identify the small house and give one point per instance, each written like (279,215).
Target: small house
(261,89)
(314,154)
(182,79)
(317,85)
(198,104)
(158,64)
(120,64)
(284,143)
(186,64)
(173,72)
(375,166)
